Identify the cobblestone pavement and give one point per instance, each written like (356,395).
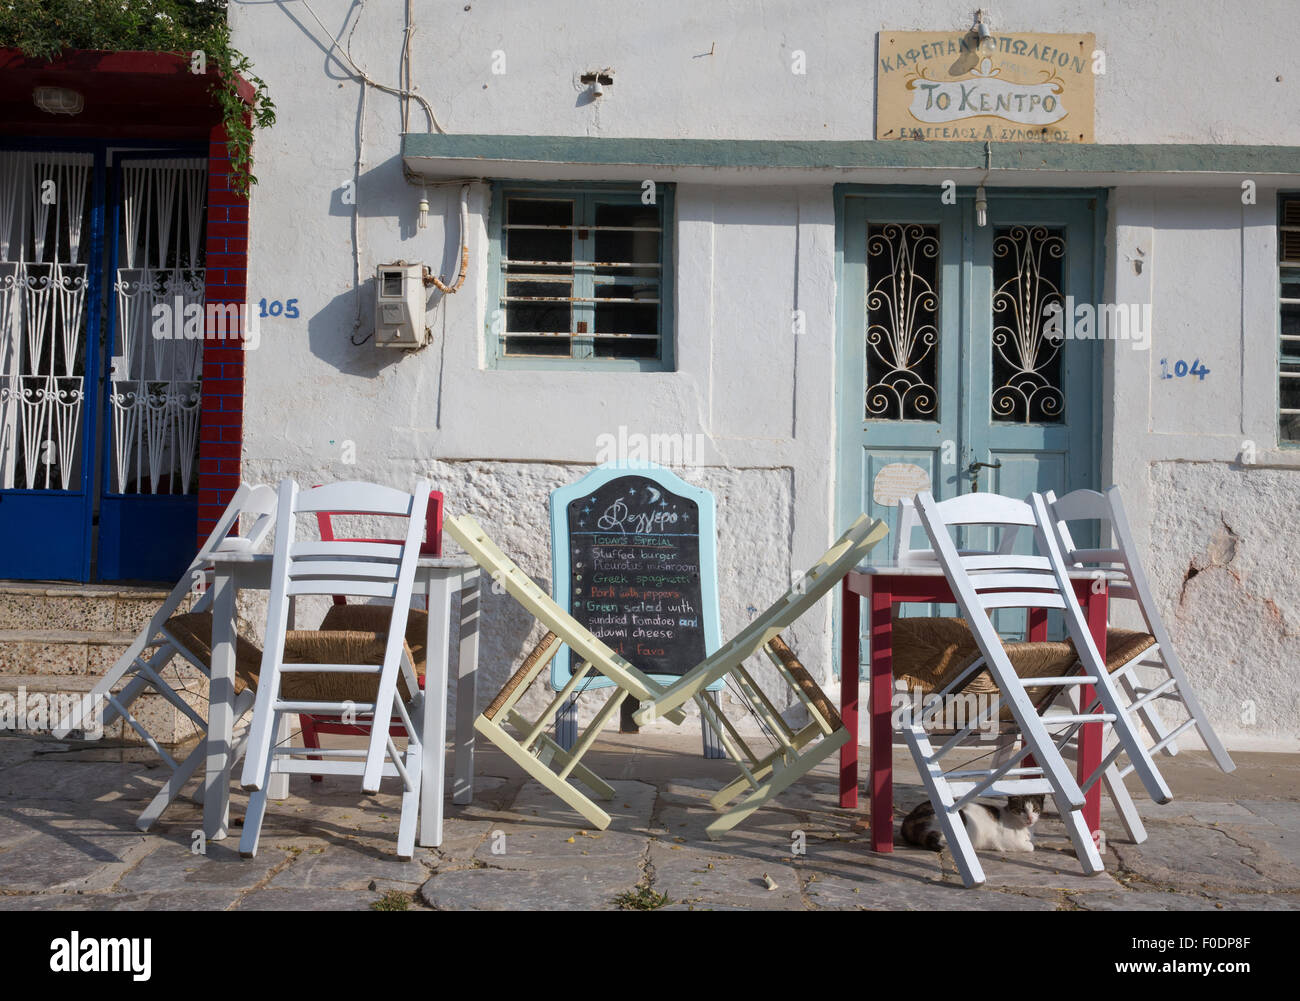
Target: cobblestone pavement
(68,842)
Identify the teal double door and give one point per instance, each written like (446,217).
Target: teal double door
(953,373)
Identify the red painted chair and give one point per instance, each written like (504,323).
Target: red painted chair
(369,618)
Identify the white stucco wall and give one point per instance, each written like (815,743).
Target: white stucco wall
(497,442)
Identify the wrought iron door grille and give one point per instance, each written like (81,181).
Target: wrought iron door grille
(156,376)
(1028,274)
(44,212)
(902,322)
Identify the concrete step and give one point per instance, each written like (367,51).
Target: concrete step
(61,651)
(32,704)
(57,640)
(99,608)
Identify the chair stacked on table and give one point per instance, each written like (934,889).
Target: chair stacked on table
(1038,684)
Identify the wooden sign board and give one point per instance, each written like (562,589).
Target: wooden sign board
(1010,88)
(634,559)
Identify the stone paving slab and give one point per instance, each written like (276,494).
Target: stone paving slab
(585,887)
(167,900)
(694,877)
(336,868)
(47,778)
(306,900)
(861,891)
(1184,856)
(545,833)
(171,867)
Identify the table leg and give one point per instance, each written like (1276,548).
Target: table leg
(850,658)
(1090,734)
(1037,631)
(462,786)
(433,731)
(882,731)
(221,713)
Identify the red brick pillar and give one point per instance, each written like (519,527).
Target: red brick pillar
(221,420)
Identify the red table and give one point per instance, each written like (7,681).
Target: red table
(885,585)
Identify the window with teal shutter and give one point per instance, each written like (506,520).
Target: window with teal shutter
(581,277)
(1288,244)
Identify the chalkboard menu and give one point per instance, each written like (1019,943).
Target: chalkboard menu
(634,558)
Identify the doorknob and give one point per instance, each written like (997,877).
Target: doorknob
(973,471)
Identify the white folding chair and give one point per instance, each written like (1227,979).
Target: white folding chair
(1126,579)
(360,677)
(984,582)
(159,642)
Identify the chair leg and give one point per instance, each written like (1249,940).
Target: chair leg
(589,810)
(1084,847)
(310,738)
(1128,814)
(779,781)
(279,788)
(172,787)
(406,826)
(257,803)
(554,752)
(936,787)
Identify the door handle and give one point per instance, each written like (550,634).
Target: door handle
(973,471)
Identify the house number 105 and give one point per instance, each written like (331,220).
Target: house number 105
(275,307)
(1181,368)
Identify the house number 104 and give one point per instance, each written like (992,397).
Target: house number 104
(1181,368)
(275,307)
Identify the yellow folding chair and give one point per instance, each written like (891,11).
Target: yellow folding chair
(764,775)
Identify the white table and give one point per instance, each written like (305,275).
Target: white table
(436,578)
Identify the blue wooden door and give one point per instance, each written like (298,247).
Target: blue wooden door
(950,379)
(99,405)
(148,504)
(51,284)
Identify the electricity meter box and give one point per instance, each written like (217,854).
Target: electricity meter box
(399,306)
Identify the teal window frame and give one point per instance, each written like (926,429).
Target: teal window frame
(585,197)
(1288,352)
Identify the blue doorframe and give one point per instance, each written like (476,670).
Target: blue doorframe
(1035,454)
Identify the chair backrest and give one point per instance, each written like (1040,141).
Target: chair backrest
(359,568)
(432,545)
(1121,565)
(991,580)
(259,502)
(908,519)
(982,583)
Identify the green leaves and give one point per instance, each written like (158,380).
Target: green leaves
(42,29)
